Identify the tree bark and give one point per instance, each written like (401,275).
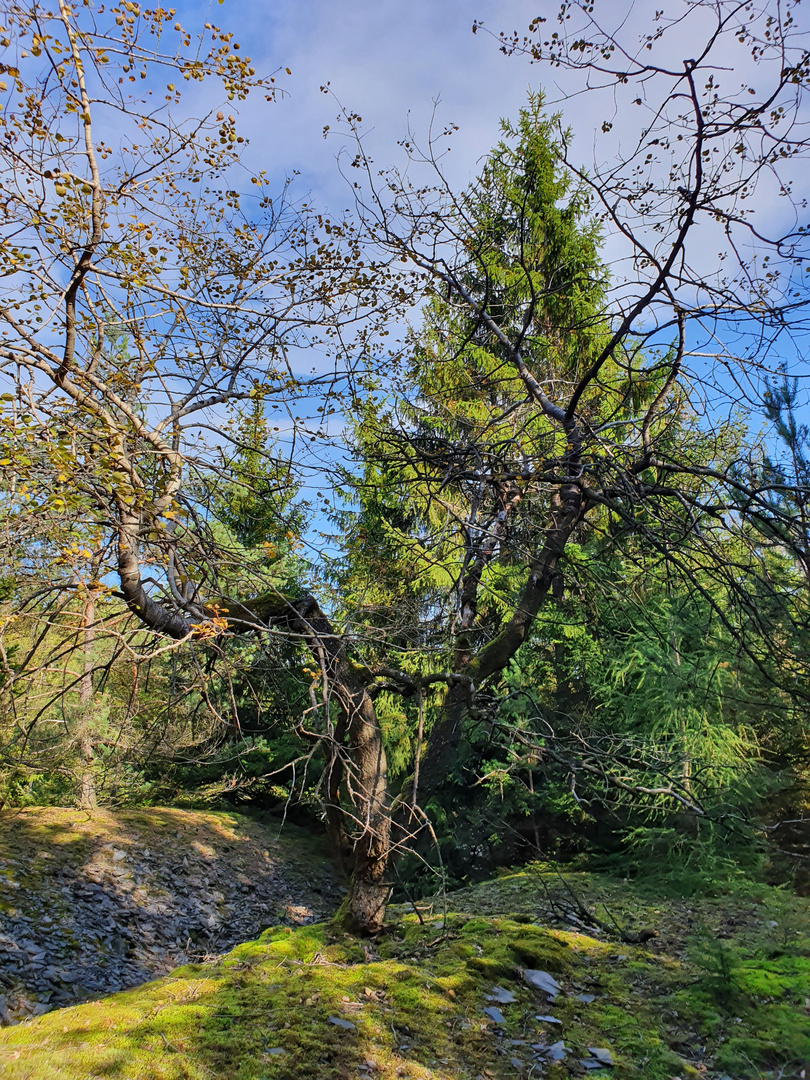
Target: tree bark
(150,613)
(357,770)
(370,888)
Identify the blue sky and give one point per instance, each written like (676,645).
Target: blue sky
(392,62)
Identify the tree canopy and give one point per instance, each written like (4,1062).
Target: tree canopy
(560,562)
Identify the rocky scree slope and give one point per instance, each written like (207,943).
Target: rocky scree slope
(92,903)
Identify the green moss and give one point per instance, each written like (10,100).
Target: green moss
(491,968)
(690,1005)
(540,950)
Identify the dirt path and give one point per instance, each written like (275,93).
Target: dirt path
(93,903)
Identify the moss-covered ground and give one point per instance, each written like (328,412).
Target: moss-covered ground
(723,991)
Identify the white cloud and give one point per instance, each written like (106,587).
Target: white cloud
(388,61)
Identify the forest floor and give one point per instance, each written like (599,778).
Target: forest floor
(503,983)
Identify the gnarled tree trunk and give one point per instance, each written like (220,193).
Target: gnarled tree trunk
(358,809)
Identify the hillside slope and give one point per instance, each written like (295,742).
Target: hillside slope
(92,903)
(723,992)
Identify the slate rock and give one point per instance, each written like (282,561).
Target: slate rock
(541,980)
(117,921)
(494,1014)
(338,1021)
(557,1051)
(503,997)
(69,976)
